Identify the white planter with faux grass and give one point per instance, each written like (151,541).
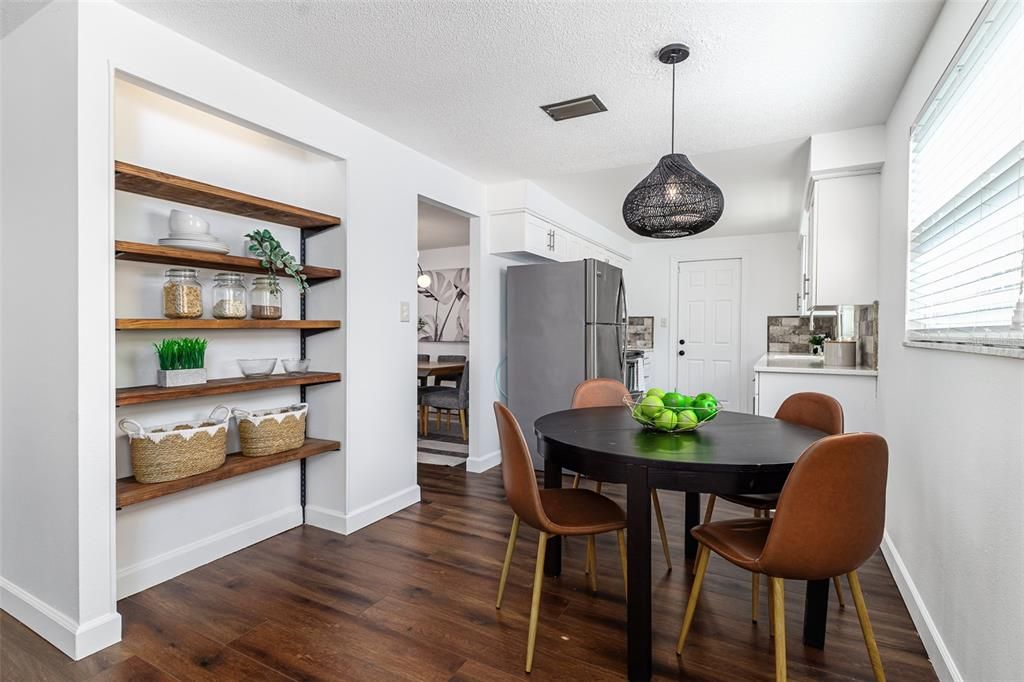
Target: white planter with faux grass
(182,362)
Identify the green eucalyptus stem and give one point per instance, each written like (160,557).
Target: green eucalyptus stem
(264,246)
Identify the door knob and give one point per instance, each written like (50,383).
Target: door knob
(682,352)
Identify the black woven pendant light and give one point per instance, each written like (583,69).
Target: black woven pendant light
(675,200)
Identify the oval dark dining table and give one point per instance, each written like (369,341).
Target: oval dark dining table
(735,453)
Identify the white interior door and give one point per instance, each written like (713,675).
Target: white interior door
(708,343)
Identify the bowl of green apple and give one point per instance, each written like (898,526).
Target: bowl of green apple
(671,411)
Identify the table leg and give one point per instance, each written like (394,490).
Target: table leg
(692,519)
(816,612)
(553,556)
(638,603)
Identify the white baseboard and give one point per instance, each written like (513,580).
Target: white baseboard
(145,574)
(938,654)
(74,639)
(478,465)
(333,520)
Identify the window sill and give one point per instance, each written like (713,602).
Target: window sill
(977,349)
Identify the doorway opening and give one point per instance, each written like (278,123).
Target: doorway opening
(442,323)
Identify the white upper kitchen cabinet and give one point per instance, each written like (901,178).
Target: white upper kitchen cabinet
(841,257)
(521,234)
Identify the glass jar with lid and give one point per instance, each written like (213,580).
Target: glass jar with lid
(265,299)
(229,296)
(183,294)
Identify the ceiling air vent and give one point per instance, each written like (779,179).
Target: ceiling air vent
(574,108)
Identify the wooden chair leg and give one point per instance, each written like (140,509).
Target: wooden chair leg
(656,503)
(755,595)
(691,605)
(771,611)
(437,414)
(448,421)
(710,509)
(622,558)
(865,626)
(462,423)
(839,591)
(779,609)
(538,582)
(592,562)
(508,559)
(600,485)
(576,481)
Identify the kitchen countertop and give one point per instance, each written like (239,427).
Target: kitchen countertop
(791,363)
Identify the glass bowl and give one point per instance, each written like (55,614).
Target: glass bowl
(295,365)
(257,368)
(685,419)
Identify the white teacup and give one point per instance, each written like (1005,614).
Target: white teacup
(183,223)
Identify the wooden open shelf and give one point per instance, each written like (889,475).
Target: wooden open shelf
(169,255)
(140,323)
(151,183)
(130,491)
(136,395)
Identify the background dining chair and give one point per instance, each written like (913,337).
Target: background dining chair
(456,380)
(423,357)
(449,400)
(554,512)
(813,410)
(603,392)
(828,521)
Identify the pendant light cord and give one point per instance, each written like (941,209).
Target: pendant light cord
(673,108)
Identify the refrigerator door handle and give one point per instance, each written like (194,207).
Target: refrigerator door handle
(590,370)
(624,320)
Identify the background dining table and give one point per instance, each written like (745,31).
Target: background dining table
(733,454)
(438,369)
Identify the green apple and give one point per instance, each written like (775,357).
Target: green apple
(656,392)
(638,414)
(652,406)
(666,421)
(705,408)
(686,419)
(705,396)
(673,400)
(687,401)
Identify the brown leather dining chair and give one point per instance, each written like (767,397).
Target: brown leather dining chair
(609,393)
(553,512)
(813,410)
(828,521)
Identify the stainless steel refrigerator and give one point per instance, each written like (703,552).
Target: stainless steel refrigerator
(565,322)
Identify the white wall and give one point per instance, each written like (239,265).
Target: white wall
(446,259)
(56,517)
(770,271)
(58,542)
(956,478)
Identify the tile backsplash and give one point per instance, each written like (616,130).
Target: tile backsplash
(792,334)
(866,319)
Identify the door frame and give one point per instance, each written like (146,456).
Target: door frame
(745,391)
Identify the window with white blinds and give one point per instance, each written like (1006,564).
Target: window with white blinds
(966,258)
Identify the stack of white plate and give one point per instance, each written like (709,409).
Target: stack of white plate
(189,231)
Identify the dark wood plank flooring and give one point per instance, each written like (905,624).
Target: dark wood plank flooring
(412,597)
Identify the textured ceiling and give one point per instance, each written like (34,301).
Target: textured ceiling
(763,188)
(462,81)
(438,228)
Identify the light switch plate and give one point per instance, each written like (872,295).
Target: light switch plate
(404,314)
